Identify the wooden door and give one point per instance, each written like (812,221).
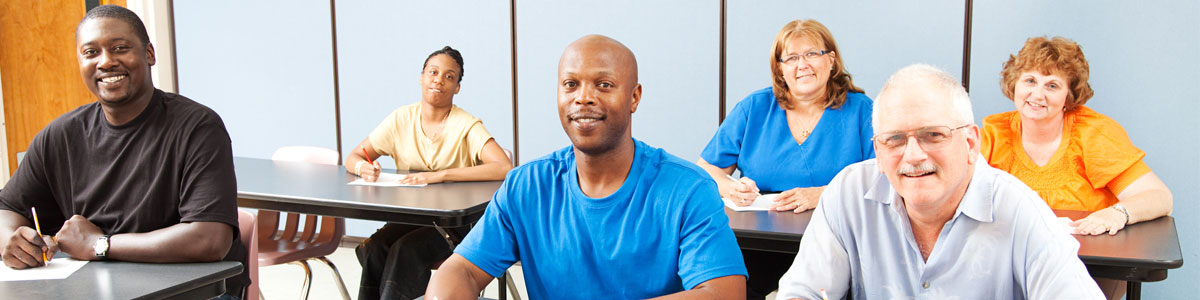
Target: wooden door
(40,72)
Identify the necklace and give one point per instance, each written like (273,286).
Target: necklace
(809,125)
(436,132)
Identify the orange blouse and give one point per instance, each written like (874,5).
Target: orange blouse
(1094,162)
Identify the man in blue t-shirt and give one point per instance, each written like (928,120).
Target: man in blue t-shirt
(608,217)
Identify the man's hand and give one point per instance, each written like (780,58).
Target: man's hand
(77,237)
(24,248)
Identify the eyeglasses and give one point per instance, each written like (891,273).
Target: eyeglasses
(809,56)
(930,138)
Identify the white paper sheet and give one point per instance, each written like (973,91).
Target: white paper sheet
(763,202)
(59,268)
(387,179)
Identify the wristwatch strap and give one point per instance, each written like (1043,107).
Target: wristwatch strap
(1122,209)
(102,255)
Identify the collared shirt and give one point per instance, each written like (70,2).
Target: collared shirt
(1003,242)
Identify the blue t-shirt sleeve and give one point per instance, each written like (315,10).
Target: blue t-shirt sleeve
(708,248)
(492,245)
(726,145)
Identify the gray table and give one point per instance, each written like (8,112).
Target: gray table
(1141,252)
(322,190)
(128,280)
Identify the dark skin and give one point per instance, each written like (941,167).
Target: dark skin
(114,64)
(597,95)
(439,84)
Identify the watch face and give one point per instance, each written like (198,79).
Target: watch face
(101,246)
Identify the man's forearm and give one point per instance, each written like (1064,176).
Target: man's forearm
(9,222)
(458,278)
(728,287)
(184,242)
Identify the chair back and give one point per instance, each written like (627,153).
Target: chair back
(309,154)
(249,237)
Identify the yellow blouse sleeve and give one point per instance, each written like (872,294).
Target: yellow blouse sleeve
(1108,153)
(996,145)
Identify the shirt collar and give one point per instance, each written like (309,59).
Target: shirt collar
(976,203)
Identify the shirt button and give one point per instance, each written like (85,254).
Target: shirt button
(925,285)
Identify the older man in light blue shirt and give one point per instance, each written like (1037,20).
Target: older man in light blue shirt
(928,219)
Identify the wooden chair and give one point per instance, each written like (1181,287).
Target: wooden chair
(296,242)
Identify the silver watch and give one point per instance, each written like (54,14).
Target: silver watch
(1122,209)
(101,247)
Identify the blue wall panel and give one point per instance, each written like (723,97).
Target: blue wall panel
(676,44)
(876,38)
(267,69)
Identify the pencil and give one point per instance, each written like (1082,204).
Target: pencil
(39,231)
(367,156)
(824,296)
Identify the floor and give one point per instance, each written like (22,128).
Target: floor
(284,281)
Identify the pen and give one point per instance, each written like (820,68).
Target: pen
(732,178)
(39,232)
(367,156)
(824,296)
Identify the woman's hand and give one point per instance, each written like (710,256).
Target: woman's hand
(368,171)
(742,191)
(1105,220)
(423,178)
(798,200)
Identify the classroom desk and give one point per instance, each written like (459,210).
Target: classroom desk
(1141,252)
(322,190)
(128,280)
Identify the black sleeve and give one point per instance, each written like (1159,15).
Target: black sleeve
(29,186)
(208,191)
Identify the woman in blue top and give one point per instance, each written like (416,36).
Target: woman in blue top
(791,138)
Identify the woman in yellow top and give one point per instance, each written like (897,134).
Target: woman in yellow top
(1073,156)
(443,143)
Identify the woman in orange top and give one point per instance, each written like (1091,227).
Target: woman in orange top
(1073,156)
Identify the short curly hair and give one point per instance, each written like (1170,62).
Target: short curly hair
(1055,55)
(840,82)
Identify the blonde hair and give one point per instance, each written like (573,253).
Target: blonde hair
(840,83)
(1049,56)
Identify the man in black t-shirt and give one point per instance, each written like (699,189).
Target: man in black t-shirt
(140,175)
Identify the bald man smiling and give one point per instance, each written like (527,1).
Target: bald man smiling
(608,217)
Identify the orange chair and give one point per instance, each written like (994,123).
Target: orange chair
(296,244)
(249,235)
